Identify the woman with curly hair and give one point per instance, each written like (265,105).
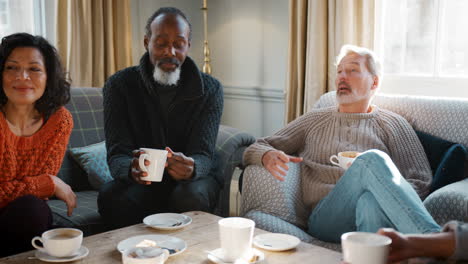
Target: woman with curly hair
(34,133)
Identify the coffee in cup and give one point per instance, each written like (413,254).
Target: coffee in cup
(157,159)
(60,242)
(236,234)
(344,159)
(365,248)
(145,255)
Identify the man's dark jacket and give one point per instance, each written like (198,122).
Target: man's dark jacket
(133,118)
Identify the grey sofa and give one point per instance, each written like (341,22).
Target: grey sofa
(87,110)
(277,206)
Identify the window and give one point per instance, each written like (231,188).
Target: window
(423,46)
(21,16)
(4,14)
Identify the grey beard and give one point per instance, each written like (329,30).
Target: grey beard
(166,78)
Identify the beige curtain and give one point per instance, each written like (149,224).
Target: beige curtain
(317,30)
(94,39)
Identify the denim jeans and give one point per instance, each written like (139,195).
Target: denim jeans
(371,194)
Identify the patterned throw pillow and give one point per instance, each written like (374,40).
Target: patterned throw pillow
(93,160)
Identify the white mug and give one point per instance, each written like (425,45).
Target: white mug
(157,159)
(365,248)
(236,234)
(344,159)
(60,242)
(145,255)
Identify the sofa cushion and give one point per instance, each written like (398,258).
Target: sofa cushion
(85,216)
(86,108)
(446,159)
(449,203)
(93,159)
(72,174)
(283,199)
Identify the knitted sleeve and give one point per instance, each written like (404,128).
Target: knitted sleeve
(202,140)
(407,152)
(118,140)
(289,139)
(49,157)
(461,237)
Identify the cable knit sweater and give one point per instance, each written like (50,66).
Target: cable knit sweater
(133,117)
(317,135)
(26,162)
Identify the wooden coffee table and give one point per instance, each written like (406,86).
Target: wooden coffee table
(201,236)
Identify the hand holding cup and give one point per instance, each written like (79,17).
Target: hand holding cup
(148,165)
(179,166)
(135,171)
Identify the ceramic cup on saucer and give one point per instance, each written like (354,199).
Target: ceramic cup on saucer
(144,255)
(236,235)
(365,248)
(344,159)
(157,159)
(60,242)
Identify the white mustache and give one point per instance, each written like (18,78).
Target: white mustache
(343,84)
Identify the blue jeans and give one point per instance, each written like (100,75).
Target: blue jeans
(371,194)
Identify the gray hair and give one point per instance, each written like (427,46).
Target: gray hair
(372,62)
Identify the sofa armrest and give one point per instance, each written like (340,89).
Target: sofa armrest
(449,203)
(262,192)
(230,145)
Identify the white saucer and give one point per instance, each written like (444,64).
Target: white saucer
(42,255)
(163,241)
(216,256)
(276,242)
(167,221)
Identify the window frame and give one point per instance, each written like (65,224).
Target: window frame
(434,84)
(38,26)
(6,13)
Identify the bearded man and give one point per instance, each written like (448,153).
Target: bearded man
(382,188)
(163,103)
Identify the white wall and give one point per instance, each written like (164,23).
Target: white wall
(248,40)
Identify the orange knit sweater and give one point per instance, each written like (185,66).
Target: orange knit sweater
(26,162)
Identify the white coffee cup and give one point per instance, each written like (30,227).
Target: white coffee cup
(145,255)
(157,159)
(60,242)
(365,248)
(344,159)
(236,234)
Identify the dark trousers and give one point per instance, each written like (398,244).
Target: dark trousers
(20,221)
(123,204)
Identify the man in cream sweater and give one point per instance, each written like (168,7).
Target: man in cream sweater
(384,185)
